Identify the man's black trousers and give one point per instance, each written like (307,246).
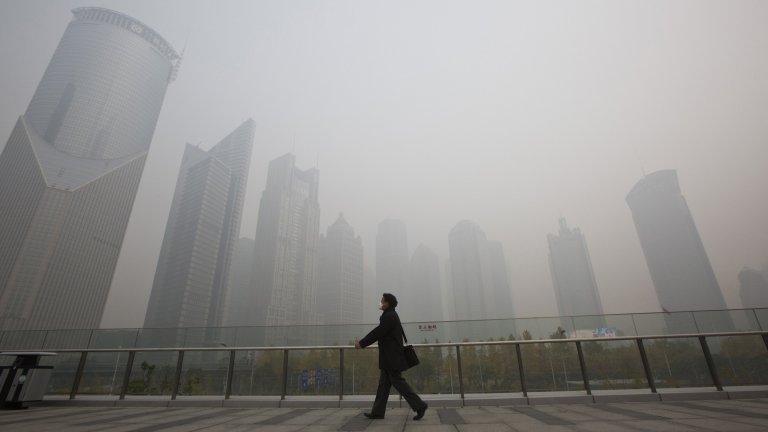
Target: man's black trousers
(387,379)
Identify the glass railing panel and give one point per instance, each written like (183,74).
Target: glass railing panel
(740,360)
(588,326)
(204,373)
(677,362)
(153,373)
(663,323)
(257,373)
(313,372)
(161,338)
(67,339)
(726,321)
(437,372)
(63,374)
(23,340)
(614,365)
(361,371)
(250,336)
(210,337)
(103,373)
(490,369)
(551,367)
(113,338)
(555,328)
(762,318)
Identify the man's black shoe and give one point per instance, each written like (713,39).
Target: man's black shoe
(373,416)
(420,413)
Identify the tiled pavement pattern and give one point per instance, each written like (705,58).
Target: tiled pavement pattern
(720,416)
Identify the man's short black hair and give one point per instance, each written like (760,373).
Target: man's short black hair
(390,299)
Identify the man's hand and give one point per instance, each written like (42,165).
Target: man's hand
(357,344)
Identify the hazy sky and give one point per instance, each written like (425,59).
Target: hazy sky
(509,113)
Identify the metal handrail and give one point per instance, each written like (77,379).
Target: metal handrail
(701,337)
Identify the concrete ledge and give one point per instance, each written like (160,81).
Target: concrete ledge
(618,397)
(310,402)
(683,396)
(366,403)
(478,400)
(143,403)
(218,403)
(251,403)
(548,400)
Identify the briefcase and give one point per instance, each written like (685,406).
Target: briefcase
(411,359)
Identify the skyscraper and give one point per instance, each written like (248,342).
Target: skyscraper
(679,265)
(190,283)
(476,277)
(753,288)
(424,286)
(70,170)
(240,298)
(392,260)
(286,251)
(340,289)
(572,276)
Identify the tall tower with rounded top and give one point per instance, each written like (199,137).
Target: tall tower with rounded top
(71,167)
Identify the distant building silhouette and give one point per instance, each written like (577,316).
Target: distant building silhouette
(371,296)
(392,261)
(572,276)
(340,270)
(502,289)
(71,167)
(424,287)
(753,288)
(189,288)
(679,265)
(286,251)
(475,275)
(241,301)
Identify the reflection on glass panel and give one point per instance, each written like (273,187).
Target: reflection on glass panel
(161,338)
(152,373)
(113,338)
(740,360)
(614,365)
(313,372)
(361,371)
(23,339)
(551,367)
(555,328)
(209,337)
(204,373)
(490,369)
(257,373)
(67,339)
(251,336)
(63,374)
(663,323)
(103,373)
(604,326)
(677,363)
(762,318)
(726,321)
(436,373)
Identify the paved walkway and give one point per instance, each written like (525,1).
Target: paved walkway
(721,416)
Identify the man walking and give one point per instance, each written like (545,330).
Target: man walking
(389,334)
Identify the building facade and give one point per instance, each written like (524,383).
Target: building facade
(680,269)
(392,261)
(240,298)
(424,286)
(190,285)
(286,250)
(71,167)
(572,276)
(340,270)
(475,267)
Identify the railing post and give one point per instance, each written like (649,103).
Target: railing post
(710,363)
(520,369)
(127,375)
(583,366)
(765,340)
(177,377)
(646,365)
(341,373)
(230,373)
(284,390)
(461,377)
(78,374)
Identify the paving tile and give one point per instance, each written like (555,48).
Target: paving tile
(720,425)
